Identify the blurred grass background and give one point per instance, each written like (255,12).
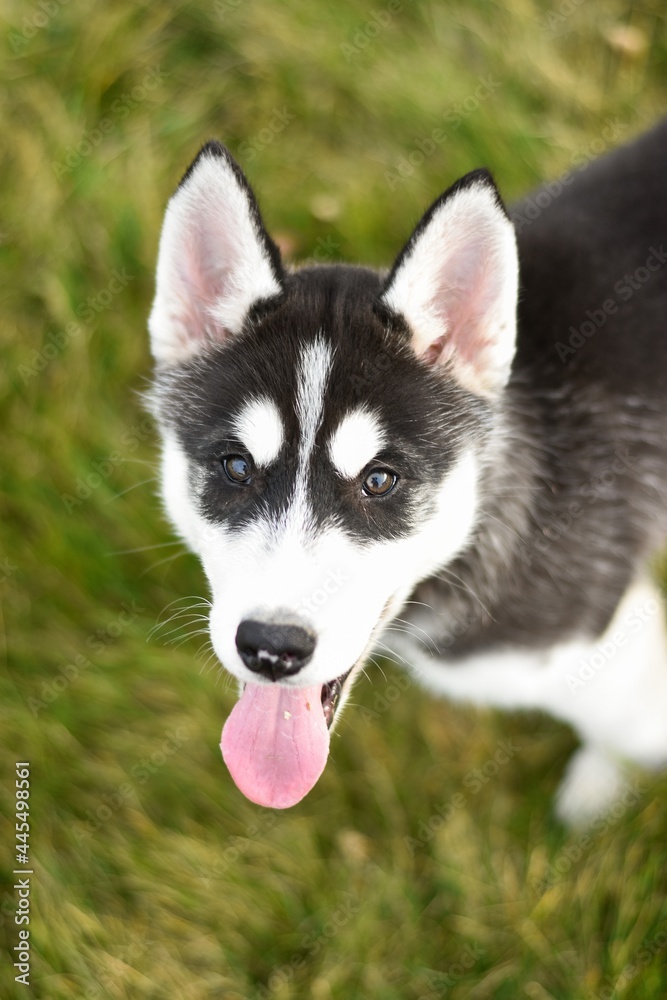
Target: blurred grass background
(153,876)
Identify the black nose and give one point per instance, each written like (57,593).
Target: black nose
(275,651)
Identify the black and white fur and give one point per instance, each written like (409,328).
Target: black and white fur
(532,480)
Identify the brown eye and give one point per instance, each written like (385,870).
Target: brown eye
(237,469)
(379,482)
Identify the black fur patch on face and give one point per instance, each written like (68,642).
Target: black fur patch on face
(426,417)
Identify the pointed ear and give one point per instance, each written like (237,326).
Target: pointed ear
(456,281)
(215,262)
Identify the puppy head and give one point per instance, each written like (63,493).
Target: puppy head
(322,428)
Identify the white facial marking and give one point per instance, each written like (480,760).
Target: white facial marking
(260,428)
(176,492)
(322,578)
(319,578)
(314,368)
(355,442)
(313,372)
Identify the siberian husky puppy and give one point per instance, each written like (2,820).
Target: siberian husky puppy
(475,441)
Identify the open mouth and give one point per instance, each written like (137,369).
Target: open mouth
(331,693)
(276,740)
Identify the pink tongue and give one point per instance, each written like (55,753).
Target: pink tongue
(276,743)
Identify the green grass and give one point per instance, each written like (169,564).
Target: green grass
(155,878)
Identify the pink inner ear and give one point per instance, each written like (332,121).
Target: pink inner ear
(201,277)
(456,286)
(463,301)
(434,351)
(214,262)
